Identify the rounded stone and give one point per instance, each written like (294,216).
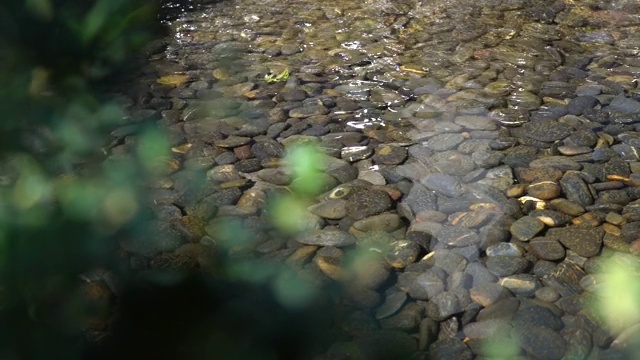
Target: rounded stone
(547,248)
(330,209)
(541,342)
(544,190)
(366,202)
(506,265)
(583,240)
(402,253)
(390,155)
(444,142)
(547,294)
(576,189)
(525,228)
(326,237)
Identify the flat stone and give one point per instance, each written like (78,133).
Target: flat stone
(521,284)
(472,122)
(525,228)
(366,202)
(551,218)
(546,130)
(505,249)
(538,174)
(458,236)
(387,222)
(567,207)
(444,142)
(625,105)
(547,248)
(390,155)
(488,294)
(584,241)
(506,265)
(330,209)
(355,153)
(325,237)
(576,190)
(445,184)
(562,163)
(443,305)
(541,342)
(453,163)
(426,286)
(392,303)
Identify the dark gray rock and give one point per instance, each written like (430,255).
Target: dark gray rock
(541,342)
(547,248)
(584,241)
(525,228)
(444,184)
(326,237)
(576,190)
(443,305)
(506,265)
(451,348)
(536,316)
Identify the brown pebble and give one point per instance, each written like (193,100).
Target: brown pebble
(615,219)
(516,190)
(608,185)
(532,175)
(611,229)
(587,219)
(634,248)
(545,190)
(243,152)
(301,255)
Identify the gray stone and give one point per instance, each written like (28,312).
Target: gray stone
(506,265)
(576,189)
(458,236)
(443,305)
(426,286)
(444,142)
(584,241)
(541,342)
(525,228)
(326,237)
(546,248)
(444,184)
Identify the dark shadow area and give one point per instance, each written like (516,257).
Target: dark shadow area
(202,318)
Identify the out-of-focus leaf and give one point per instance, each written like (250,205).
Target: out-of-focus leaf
(95,19)
(293,291)
(306,163)
(42,9)
(120,206)
(32,187)
(288,213)
(153,150)
(173,80)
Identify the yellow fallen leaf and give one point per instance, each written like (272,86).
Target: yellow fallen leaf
(415,71)
(181,149)
(175,80)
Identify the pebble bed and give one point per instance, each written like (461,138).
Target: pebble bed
(482,154)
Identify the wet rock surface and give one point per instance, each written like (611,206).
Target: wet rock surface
(484,152)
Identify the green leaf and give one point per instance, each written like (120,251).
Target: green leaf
(272,78)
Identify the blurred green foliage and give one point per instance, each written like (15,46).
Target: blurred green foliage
(60,206)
